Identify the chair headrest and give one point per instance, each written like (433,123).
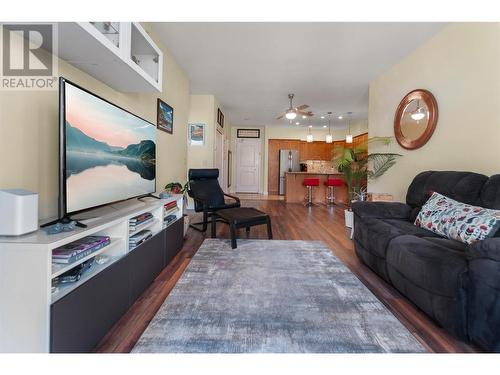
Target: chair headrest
(203,174)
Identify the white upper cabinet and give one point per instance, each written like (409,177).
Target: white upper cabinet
(120,54)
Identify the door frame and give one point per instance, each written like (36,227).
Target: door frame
(258,142)
(221,153)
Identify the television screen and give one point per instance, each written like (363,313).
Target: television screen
(109,153)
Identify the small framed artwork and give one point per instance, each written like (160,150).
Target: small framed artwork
(165,117)
(220,118)
(196,134)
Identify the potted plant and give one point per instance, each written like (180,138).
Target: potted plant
(178,188)
(358,166)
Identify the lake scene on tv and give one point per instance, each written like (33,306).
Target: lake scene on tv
(110,153)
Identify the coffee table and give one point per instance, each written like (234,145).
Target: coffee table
(241,217)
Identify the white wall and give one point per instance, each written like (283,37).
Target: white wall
(29,130)
(461,67)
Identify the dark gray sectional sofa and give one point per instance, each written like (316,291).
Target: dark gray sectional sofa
(455,284)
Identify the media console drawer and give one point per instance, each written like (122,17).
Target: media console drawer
(82,318)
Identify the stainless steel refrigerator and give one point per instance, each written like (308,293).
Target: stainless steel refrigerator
(289,162)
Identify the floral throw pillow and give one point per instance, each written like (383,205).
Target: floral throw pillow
(457,221)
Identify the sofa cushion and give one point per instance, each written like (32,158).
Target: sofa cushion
(432,276)
(462,186)
(449,244)
(490,194)
(459,221)
(407,227)
(374,234)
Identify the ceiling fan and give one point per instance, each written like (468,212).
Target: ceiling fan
(292,112)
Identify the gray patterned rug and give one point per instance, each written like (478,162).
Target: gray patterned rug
(275,297)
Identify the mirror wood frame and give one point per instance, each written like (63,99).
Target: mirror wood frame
(429,100)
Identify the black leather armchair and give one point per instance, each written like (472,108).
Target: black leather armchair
(207,194)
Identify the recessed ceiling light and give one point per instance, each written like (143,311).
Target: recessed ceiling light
(322,116)
(324,126)
(303,116)
(297,123)
(340,117)
(310,126)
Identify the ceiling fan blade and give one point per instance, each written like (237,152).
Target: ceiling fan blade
(280,117)
(302,107)
(302,113)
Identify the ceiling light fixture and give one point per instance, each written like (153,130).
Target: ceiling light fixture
(340,117)
(348,137)
(322,117)
(297,123)
(290,113)
(329,137)
(309,137)
(419,113)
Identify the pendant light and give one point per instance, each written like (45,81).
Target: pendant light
(309,137)
(329,137)
(348,137)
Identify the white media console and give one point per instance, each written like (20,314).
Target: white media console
(74,317)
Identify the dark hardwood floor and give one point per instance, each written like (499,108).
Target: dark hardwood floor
(289,222)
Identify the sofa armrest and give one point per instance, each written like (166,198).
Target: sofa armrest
(381,210)
(488,248)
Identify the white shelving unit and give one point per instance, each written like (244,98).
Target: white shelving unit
(60,268)
(120,54)
(26,271)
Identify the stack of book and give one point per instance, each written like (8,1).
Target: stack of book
(170,207)
(79,249)
(139,238)
(169,218)
(139,220)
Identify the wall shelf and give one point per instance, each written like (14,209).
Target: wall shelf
(120,54)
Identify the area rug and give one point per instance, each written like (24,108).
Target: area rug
(273,297)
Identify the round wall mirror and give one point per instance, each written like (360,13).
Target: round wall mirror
(415,119)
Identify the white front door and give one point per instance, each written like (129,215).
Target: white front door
(219,156)
(247,165)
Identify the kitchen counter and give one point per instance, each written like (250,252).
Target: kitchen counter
(318,173)
(295,191)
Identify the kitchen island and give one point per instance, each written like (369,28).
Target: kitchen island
(295,192)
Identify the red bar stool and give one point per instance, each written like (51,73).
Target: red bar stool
(309,183)
(330,184)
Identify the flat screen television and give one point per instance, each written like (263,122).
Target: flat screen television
(107,154)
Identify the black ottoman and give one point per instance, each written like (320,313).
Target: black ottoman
(242,217)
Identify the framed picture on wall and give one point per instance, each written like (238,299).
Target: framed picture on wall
(164,117)
(196,134)
(220,118)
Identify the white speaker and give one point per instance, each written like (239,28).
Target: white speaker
(18,212)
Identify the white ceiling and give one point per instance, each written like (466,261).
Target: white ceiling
(251,67)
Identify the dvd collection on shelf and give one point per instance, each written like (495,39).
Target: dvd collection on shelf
(139,238)
(138,220)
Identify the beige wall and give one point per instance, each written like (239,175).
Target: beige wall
(461,67)
(203,110)
(29,130)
